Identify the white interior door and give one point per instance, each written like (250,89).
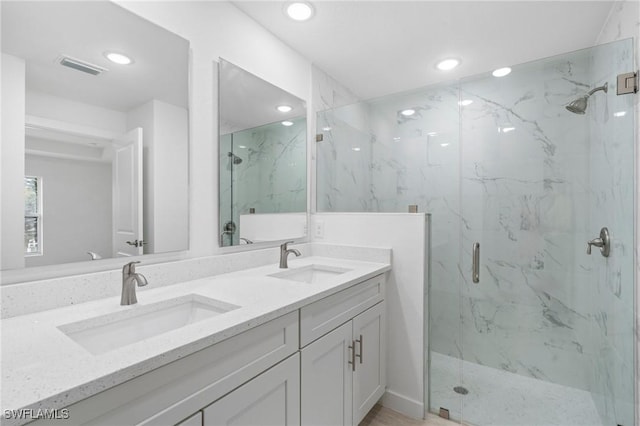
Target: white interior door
(127,194)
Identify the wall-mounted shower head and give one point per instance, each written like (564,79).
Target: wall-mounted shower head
(579,106)
(235,158)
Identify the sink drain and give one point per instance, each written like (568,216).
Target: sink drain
(461,390)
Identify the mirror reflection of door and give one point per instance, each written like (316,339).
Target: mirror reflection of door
(60,82)
(127,195)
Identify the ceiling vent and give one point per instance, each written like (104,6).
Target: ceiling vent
(79,65)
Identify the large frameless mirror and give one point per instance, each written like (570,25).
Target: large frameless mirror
(262,160)
(101,167)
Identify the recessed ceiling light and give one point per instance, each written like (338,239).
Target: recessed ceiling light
(284,108)
(287,123)
(356,149)
(408,112)
(448,64)
(242,146)
(326,128)
(118,58)
(506,129)
(465,102)
(432,133)
(620,114)
(299,11)
(396,139)
(445,144)
(501,72)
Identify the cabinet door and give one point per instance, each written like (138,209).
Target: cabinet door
(370,376)
(271,399)
(327,380)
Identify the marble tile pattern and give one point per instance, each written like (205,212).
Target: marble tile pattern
(499,398)
(530,181)
(272,177)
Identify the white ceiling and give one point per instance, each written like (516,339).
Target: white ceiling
(381,47)
(40,31)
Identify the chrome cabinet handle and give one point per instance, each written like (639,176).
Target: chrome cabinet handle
(352,348)
(475,269)
(136,243)
(359,342)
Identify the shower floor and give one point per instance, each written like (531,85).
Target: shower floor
(497,397)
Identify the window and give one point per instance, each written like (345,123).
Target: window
(32,216)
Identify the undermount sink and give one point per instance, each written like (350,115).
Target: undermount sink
(311,274)
(108,332)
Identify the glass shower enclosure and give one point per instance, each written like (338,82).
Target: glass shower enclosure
(544,332)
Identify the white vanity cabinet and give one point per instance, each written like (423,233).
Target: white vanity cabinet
(343,371)
(271,399)
(323,364)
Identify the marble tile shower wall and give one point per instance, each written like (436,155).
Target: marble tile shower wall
(512,171)
(272,175)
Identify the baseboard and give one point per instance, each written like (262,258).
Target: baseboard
(402,404)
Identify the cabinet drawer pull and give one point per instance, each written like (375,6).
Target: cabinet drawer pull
(360,345)
(352,348)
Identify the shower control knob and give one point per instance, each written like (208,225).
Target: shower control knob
(604,243)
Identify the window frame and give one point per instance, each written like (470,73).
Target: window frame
(37,216)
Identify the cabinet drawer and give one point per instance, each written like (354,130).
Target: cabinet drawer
(171,393)
(321,317)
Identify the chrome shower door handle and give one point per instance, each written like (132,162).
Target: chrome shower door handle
(475,268)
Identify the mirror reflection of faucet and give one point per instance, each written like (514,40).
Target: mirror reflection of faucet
(94,255)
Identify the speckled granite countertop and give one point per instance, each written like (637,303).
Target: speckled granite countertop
(43,368)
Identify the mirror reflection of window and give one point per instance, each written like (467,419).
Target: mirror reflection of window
(81,99)
(32,215)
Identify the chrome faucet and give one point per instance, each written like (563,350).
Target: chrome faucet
(284,253)
(129,280)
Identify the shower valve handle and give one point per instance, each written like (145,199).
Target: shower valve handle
(604,243)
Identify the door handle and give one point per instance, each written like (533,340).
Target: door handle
(475,268)
(352,348)
(359,342)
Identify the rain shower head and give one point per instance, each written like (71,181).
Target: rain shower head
(579,106)
(235,158)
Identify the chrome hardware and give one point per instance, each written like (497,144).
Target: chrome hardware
(604,242)
(94,256)
(246,240)
(136,243)
(352,348)
(284,254)
(129,280)
(475,268)
(229,228)
(627,83)
(359,342)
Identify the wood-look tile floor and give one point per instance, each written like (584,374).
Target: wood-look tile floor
(382,416)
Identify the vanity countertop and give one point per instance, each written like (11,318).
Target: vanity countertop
(42,368)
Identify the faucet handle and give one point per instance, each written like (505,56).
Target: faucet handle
(130,267)
(284,245)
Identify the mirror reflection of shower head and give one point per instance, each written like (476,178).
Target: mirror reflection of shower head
(235,158)
(579,106)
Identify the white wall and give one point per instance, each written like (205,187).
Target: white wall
(78,113)
(406,235)
(73,228)
(171,166)
(12,162)
(219,29)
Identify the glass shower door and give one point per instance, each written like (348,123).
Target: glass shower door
(547,331)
